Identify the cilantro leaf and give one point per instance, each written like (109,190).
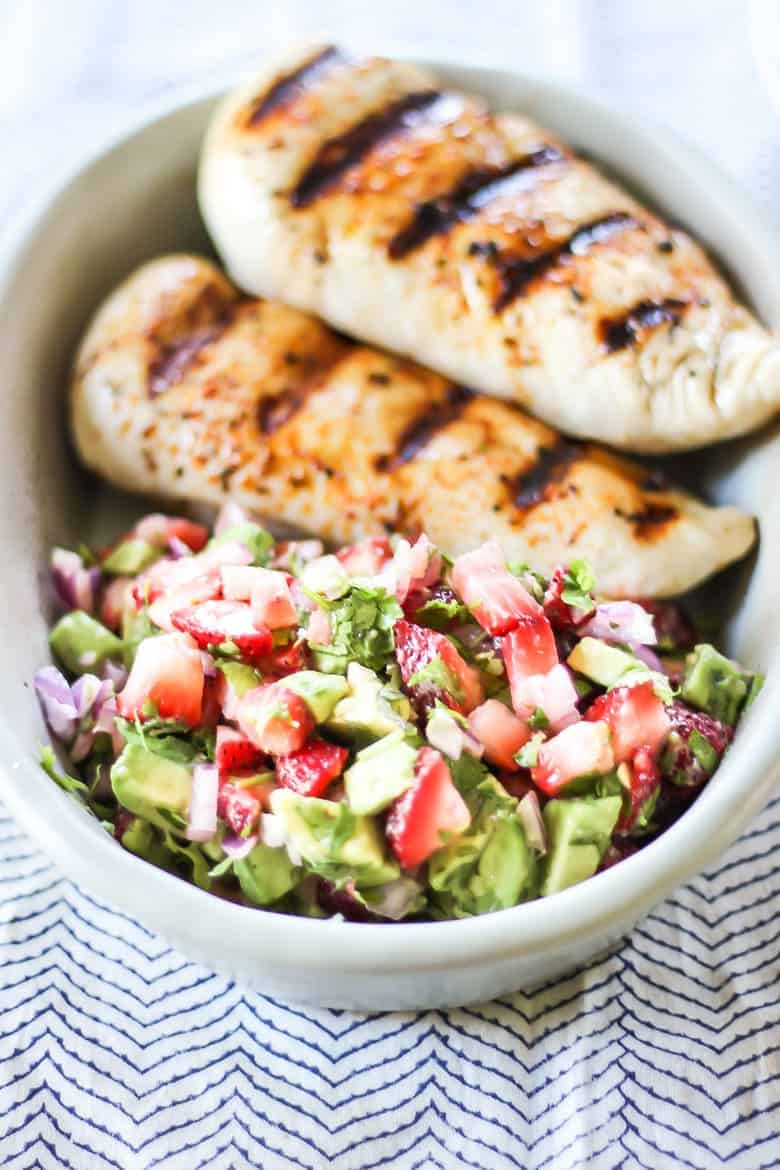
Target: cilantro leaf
(578,585)
(159,736)
(528,755)
(539,721)
(70,784)
(438,612)
(362,626)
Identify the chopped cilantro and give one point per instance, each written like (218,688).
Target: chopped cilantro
(437,674)
(163,738)
(68,784)
(221,868)
(362,626)
(438,612)
(578,585)
(705,754)
(539,721)
(528,755)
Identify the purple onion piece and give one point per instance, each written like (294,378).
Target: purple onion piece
(621,621)
(237,848)
(648,656)
(209,666)
(202,817)
(177,548)
(89,692)
(57,703)
(75,586)
(115,673)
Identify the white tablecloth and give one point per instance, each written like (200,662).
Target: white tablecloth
(117,1052)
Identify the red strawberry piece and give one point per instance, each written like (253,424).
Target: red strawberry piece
(500,731)
(284,660)
(115,597)
(157,529)
(233,751)
(367,557)
(168,672)
(214,622)
(562,616)
(518,784)
(494,595)
(272,602)
(530,648)
(579,750)
(636,718)
(645,780)
(432,669)
(239,804)
(615,854)
(212,707)
(679,762)
(312,768)
(431,807)
(276,719)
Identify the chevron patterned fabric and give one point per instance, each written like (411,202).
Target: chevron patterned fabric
(118,1054)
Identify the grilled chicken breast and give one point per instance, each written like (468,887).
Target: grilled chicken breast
(480,245)
(186,388)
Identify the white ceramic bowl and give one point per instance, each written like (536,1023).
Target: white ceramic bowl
(136,200)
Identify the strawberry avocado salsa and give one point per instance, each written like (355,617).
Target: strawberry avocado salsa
(379,732)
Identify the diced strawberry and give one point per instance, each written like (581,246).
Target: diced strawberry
(645,780)
(288,553)
(501,732)
(237,581)
(636,718)
(431,807)
(530,648)
(284,660)
(275,718)
(432,669)
(367,557)
(415,566)
(157,529)
(615,854)
(115,597)
(518,784)
(553,693)
(239,805)
(496,598)
(167,671)
(215,622)
(576,751)
(272,603)
(234,751)
(562,616)
(312,768)
(212,708)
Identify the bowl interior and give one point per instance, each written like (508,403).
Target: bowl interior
(138,200)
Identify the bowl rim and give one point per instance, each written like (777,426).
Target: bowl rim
(600,904)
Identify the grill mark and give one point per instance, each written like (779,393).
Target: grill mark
(473,191)
(290,86)
(534,486)
(648,522)
(174,360)
(616,333)
(339,154)
(275,410)
(420,430)
(518,273)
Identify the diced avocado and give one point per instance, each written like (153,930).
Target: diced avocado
(130,557)
(140,838)
(152,787)
(714,684)
(578,833)
(364,713)
(599,661)
(320,692)
(332,840)
(81,643)
(266,875)
(241,677)
(507,872)
(380,773)
(325,576)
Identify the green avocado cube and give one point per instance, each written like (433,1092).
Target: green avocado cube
(714,684)
(81,643)
(266,875)
(380,774)
(579,832)
(599,661)
(152,787)
(130,557)
(321,692)
(365,712)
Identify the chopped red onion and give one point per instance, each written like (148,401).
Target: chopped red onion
(621,621)
(75,585)
(237,848)
(106,722)
(230,515)
(447,735)
(649,657)
(177,548)
(115,673)
(232,552)
(209,665)
(202,818)
(532,821)
(57,703)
